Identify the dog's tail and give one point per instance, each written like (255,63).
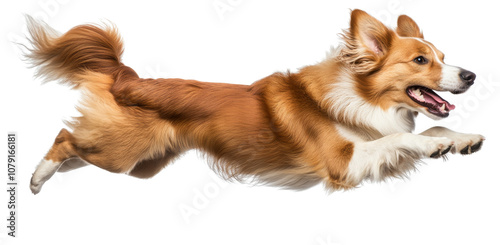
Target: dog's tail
(82,50)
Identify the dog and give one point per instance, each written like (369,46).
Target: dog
(340,122)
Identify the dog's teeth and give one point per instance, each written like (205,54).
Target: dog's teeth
(443,107)
(418,94)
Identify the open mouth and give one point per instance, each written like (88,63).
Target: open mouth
(428,98)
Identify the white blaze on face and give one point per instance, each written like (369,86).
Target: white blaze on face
(450,78)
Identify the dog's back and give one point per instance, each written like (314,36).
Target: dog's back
(339,122)
(137,126)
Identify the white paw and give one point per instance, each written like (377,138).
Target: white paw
(468,143)
(35,185)
(43,172)
(438,146)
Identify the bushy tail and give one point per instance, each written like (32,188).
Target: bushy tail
(66,57)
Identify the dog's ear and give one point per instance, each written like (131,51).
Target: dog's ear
(408,28)
(370,32)
(367,42)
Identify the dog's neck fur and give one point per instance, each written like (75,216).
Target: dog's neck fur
(348,108)
(352,110)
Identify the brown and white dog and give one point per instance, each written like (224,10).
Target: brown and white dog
(344,120)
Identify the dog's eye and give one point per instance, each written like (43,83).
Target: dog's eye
(421,60)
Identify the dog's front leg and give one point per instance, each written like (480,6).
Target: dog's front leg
(464,143)
(393,155)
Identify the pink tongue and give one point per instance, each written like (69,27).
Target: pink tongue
(435,99)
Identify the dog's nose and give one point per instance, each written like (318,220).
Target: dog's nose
(467,77)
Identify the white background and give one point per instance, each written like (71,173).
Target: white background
(452,202)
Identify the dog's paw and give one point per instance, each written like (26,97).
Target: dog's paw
(35,186)
(439,146)
(468,143)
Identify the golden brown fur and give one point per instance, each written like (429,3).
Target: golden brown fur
(137,126)
(279,130)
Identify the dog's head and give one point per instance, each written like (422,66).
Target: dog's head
(398,68)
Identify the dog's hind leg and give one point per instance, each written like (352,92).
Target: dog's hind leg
(72,164)
(61,150)
(148,168)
